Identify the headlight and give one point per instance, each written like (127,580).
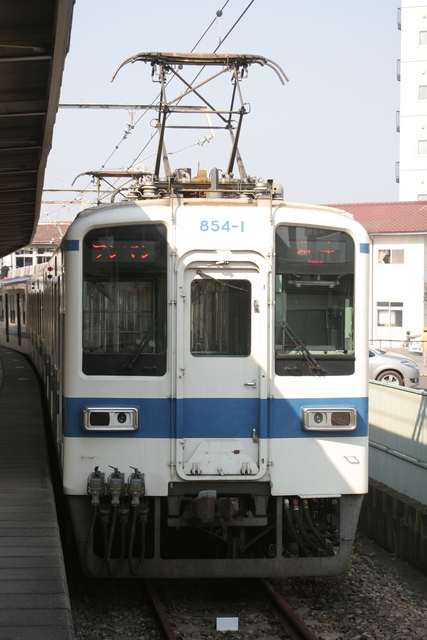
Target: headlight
(110,418)
(409,363)
(329,418)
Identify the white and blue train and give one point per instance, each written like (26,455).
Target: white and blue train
(203,346)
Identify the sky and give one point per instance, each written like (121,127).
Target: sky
(328,136)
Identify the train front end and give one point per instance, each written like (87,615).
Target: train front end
(215,383)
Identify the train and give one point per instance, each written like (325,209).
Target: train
(203,347)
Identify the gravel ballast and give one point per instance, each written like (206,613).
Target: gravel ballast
(379,598)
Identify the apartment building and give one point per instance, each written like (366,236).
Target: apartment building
(412,117)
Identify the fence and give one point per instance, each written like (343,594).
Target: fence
(398,438)
(412,344)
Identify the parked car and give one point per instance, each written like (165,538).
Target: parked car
(392,368)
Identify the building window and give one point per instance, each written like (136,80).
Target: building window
(422,92)
(389,314)
(422,38)
(391,256)
(23,262)
(422,147)
(422,197)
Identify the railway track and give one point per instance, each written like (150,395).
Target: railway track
(246,608)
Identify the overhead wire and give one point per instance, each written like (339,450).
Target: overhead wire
(218,14)
(222,40)
(234,25)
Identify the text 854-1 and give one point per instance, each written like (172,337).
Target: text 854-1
(216,225)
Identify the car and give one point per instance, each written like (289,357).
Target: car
(392,368)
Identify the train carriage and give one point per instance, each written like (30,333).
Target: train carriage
(204,348)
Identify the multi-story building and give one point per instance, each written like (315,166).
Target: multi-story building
(412,118)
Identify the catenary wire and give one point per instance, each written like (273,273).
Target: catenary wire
(218,14)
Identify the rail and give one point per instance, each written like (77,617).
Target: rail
(195,617)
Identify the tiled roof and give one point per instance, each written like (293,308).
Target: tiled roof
(389,217)
(50,233)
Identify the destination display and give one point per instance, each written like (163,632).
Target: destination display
(318,252)
(124,251)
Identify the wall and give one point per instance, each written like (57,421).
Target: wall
(394,512)
(398,438)
(399,283)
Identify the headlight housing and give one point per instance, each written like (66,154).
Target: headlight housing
(329,418)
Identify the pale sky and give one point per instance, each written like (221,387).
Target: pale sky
(329,135)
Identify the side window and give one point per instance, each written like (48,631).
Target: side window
(12,314)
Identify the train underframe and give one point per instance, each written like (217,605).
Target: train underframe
(214,530)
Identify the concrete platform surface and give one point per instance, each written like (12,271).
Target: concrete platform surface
(34,600)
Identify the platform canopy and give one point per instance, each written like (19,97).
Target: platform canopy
(34,39)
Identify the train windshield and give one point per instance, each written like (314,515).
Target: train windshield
(125,300)
(314,327)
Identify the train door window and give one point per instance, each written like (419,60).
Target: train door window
(6,315)
(314,301)
(18,318)
(1,309)
(12,308)
(125,301)
(220,317)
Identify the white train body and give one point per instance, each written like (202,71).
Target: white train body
(219,346)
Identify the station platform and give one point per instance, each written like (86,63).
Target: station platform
(34,600)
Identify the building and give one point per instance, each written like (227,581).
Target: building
(398,232)
(412,118)
(47,238)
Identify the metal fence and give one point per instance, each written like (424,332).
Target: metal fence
(412,344)
(398,438)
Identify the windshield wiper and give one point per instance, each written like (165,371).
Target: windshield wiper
(127,366)
(314,366)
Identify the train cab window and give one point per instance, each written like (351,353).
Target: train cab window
(314,302)
(125,301)
(220,317)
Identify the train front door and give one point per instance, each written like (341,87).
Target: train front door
(221,376)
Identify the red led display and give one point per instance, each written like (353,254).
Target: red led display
(124,251)
(319,252)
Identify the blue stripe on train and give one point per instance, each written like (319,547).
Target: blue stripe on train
(214,417)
